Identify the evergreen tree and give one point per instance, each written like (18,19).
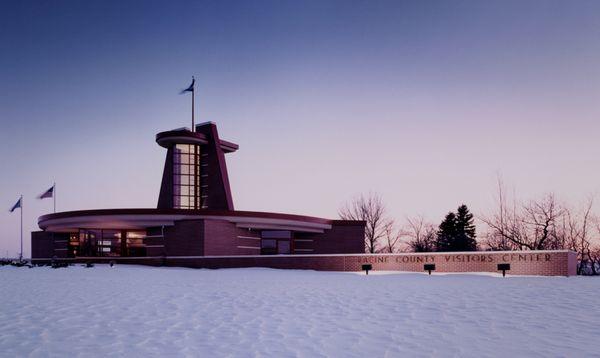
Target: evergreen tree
(457,232)
(465,230)
(446,233)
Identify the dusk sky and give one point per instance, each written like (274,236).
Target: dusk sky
(422,102)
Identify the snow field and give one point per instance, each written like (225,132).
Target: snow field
(137,311)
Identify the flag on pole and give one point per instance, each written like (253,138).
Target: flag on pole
(190,88)
(47,194)
(17,205)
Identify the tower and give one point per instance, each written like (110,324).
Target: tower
(195,173)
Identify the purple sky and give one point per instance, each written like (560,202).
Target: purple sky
(423,102)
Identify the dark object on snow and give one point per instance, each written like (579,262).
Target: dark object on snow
(112,263)
(89,264)
(503,268)
(429,268)
(367,267)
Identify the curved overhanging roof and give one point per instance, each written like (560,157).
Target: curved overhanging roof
(185,136)
(136,219)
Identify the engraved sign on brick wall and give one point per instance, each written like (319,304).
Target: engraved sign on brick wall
(545,263)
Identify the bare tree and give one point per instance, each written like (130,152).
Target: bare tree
(546,224)
(593,254)
(504,224)
(371,210)
(391,239)
(421,234)
(576,233)
(531,226)
(540,221)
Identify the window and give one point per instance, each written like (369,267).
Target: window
(283,247)
(268,247)
(88,242)
(135,238)
(73,245)
(275,242)
(108,242)
(275,247)
(186,176)
(269,244)
(276,234)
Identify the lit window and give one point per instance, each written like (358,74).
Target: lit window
(186,176)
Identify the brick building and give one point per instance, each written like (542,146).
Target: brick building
(195,216)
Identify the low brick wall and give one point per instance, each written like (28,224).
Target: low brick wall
(544,263)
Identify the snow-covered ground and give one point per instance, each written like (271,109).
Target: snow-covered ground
(137,311)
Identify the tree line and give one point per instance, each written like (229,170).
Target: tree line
(544,223)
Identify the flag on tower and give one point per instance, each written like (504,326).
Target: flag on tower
(190,88)
(17,205)
(47,194)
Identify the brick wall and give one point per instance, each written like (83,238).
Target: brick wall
(42,245)
(154,241)
(543,263)
(344,237)
(247,242)
(61,244)
(223,238)
(47,245)
(220,237)
(185,238)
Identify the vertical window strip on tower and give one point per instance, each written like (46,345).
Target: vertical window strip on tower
(186,176)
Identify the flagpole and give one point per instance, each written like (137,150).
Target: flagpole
(21,254)
(193,95)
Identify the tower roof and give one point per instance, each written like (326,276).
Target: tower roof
(185,136)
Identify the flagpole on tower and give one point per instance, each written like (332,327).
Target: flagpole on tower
(191,89)
(193,95)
